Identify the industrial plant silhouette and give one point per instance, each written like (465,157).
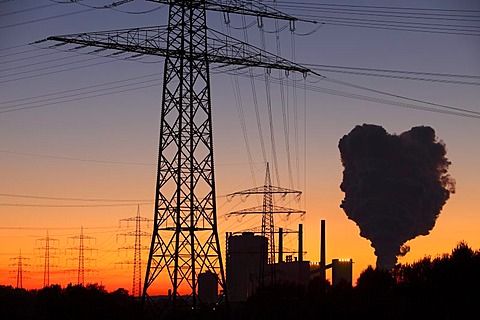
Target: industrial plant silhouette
(431,288)
(260,279)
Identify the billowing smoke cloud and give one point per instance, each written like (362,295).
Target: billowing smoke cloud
(395,186)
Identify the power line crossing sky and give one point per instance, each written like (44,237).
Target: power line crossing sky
(79,128)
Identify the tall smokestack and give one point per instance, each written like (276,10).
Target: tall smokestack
(280,245)
(300,242)
(322,250)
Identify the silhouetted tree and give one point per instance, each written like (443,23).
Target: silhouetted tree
(277,301)
(16,303)
(75,302)
(442,287)
(316,296)
(445,287)
(374,294)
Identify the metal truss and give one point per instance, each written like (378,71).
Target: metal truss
(185,240)
(267,210)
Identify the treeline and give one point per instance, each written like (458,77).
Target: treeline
(70,303)
(445,287)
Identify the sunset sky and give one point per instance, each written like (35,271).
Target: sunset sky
(79,132)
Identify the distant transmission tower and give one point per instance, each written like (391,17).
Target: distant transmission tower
(20,264)
(267,210)
(185,242)
(81,255)
(138,248)
(47,249)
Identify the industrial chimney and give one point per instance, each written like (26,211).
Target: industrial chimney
(322,250)
(280,245)
(300,242)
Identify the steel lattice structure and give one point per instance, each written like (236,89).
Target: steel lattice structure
(20,264)
(81,255)
(185,241)
(137,248)
(48,249)
(267,210)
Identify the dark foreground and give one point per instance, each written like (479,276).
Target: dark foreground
(445,287)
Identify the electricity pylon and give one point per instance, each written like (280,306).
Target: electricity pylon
(185,241)
(81,255)
(20,264)
(47,249)
(138,248)
(267,210)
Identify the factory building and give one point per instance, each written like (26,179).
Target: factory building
(342,270)
(292,271)
(297,272)
(245,255)
(208,287)
(247,266)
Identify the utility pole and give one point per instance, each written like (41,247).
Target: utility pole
(185,241)
(267,210)
(81,255)
(20,264)
(138,248)
(47,249)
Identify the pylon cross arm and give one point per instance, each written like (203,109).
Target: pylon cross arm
(261,210)
(265,189)
(230,51)
(221,48)
(250,7)
(148,40)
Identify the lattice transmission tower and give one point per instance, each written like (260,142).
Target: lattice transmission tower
(47,249)
(268,209)
(185,241)
(138,248)
(81,255)
(20,264)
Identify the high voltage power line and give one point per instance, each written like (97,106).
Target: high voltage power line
(382,13)
(399,26)
(72,205)
(80,89)
(397,74)
(398,18)
(112,6)
(28,9)
(16,47)
(326,68)
(70,199)
(16,24)
(58,71)
(76,159)
(372,7)
(394,14)
(105,202)
(363,10)
(48,102)
(57,228)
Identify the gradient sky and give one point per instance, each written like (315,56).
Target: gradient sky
(105,147)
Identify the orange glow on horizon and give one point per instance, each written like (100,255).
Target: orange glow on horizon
(104,268)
